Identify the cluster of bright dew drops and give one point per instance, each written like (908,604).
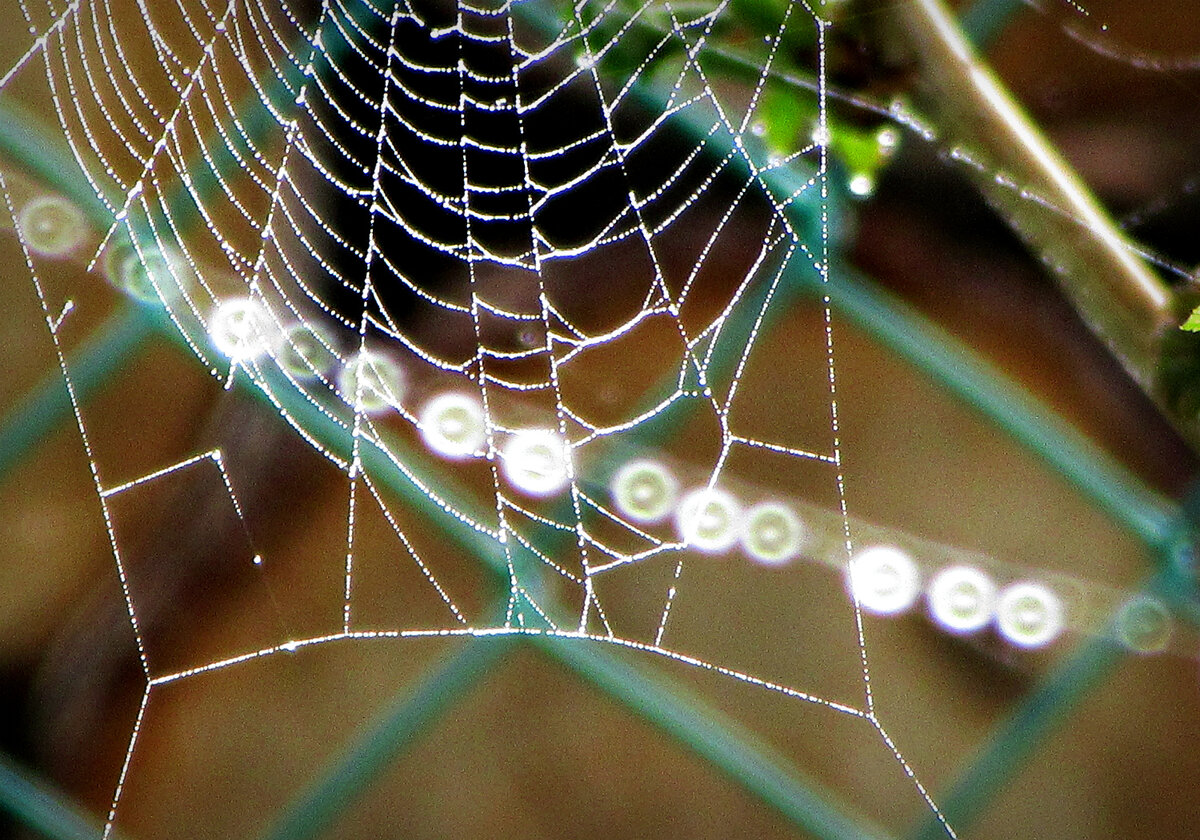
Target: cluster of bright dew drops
(882,579)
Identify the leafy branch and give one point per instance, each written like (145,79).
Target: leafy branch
(1139,317)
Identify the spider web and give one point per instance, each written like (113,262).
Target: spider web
(480,258)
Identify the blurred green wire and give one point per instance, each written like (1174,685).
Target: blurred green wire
(1155,523)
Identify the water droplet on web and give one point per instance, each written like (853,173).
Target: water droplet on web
(536,462)
(304,352)
(240,329)
(773,534)
(861,185)
(1029,614)
(1144,625)
(152,276)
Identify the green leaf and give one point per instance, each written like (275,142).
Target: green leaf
(1192,324)
(785,115)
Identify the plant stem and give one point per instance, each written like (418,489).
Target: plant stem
(1125,303)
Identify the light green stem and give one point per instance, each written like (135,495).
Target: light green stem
(1125,303)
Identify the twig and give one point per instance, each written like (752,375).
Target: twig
(1121,299)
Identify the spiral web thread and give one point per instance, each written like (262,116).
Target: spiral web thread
(304,189)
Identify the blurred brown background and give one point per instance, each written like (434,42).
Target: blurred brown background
(533,751)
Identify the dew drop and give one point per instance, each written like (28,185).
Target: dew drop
(1029,614)
(452,425)
(772,534)
(536,462)
(304,353)
(372,382)
(709,519)
(644,491)
(884,580)
(240,329)
(962,599)
(51,226)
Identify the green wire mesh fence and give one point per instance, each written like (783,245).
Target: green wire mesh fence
(744,758)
